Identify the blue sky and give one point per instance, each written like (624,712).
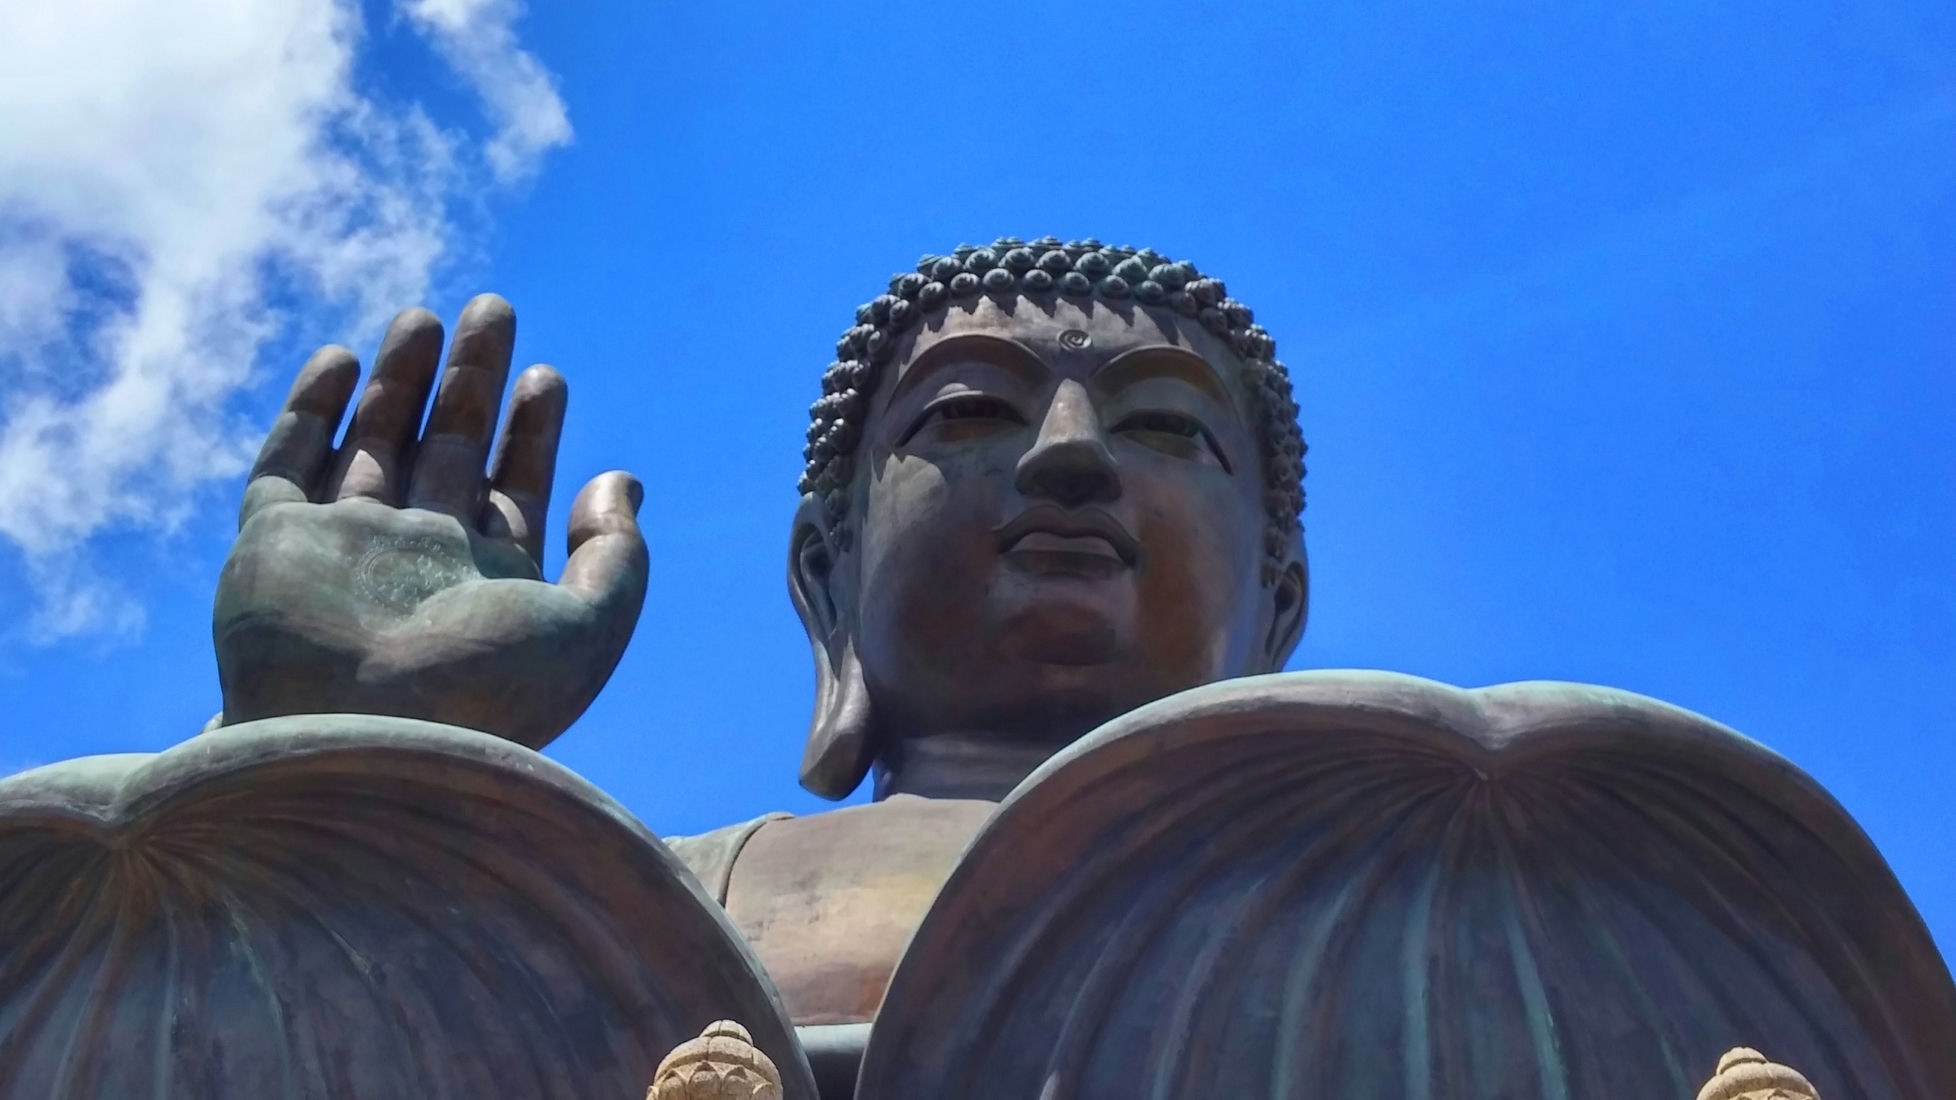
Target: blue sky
(1624,335)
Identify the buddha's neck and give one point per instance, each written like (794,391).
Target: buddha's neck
(954,765)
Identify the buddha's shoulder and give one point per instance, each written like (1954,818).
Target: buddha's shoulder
(829,900)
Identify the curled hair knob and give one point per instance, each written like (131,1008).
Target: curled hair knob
(1208,292)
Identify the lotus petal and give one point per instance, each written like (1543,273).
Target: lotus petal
(351,907)
(1348,886)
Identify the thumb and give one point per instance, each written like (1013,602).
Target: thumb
(607,564)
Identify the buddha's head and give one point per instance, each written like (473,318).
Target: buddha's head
(1046,483)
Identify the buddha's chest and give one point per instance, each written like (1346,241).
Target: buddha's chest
(829,901)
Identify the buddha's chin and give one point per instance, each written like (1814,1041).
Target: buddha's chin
(1070,617)
(1070,633)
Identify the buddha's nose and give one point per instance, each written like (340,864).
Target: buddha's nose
(1070,463)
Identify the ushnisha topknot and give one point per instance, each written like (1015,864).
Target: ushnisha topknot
(1084,269)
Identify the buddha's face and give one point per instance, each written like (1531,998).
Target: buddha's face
(1059,517)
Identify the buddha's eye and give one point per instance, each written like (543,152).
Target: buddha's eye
(972,406)
(965,412)
(1174,434)
(1164,422)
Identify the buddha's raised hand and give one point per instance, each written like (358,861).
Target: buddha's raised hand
(392,575)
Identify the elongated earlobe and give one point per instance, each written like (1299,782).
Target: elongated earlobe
(1289,604)
(841,738)
(842,732)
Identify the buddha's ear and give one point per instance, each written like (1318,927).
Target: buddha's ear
(1286,604)
(841,735)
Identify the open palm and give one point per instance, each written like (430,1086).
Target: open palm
(393,575)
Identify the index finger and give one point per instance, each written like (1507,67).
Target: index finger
(293,460)
(520,475)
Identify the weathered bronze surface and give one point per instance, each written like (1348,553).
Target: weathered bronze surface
(830,900)
(392,575)
(351,907)
(1339,884)
(1049,487)
(1067,495)
(1075,491)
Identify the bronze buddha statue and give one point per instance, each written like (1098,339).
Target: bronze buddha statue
(1048,558)
(1046,483)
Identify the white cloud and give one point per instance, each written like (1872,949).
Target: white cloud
(168,172)
(477,39)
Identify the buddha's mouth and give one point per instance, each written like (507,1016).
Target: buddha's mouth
(1045,530)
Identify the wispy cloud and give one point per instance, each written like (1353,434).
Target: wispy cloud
(172,178)
(478,39)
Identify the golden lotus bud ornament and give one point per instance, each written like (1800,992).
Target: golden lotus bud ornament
(722,1064)
(1745,1074)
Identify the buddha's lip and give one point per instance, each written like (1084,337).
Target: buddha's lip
(1087,523)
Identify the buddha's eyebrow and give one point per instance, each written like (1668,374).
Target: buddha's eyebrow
(1008,355)
(1163,361)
